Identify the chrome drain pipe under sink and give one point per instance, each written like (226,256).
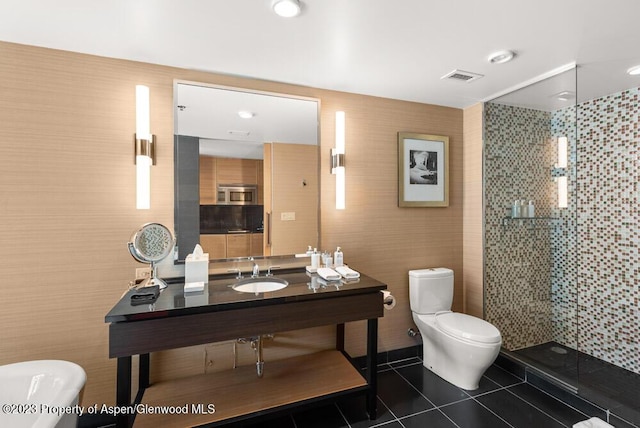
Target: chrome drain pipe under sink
(256,345)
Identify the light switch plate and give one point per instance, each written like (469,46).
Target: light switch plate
(289,216)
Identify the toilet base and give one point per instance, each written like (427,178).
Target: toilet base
(459,362)
(461,381)
(464,373)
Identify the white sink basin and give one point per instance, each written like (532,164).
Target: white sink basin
(260,285)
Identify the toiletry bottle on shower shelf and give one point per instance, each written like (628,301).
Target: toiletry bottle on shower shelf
(524,209)
(515,209)
(532,210)
(338,258)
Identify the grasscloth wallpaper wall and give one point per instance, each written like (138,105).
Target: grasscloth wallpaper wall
(67,206)
(573,279)
(472,217)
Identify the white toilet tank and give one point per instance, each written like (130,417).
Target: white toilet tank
(430,290)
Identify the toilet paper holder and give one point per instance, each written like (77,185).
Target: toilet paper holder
(388,300)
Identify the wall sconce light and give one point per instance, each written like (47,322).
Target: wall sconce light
(562,152)
(563,192)
(561,179)
(144,146)
(337,160)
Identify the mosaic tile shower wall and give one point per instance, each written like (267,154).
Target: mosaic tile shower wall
(573,277)
(518,258)
(609,228)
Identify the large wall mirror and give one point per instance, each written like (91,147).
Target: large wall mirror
(246,172)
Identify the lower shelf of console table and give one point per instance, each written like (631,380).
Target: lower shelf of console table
(238,394)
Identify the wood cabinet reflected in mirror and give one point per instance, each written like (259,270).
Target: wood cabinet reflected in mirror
(245,187)
(291,197)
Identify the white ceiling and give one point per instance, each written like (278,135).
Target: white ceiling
(212,113)
(394,48)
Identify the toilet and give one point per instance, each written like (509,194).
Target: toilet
(457,347)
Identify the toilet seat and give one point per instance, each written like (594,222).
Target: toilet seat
(467,327)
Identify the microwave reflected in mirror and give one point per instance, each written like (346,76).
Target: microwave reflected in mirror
(230,194)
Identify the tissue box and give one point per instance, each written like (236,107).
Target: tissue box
(196,269)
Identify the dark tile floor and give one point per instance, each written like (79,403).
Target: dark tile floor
(410,396)
(601,383)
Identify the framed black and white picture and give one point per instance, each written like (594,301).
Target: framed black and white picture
(423,170)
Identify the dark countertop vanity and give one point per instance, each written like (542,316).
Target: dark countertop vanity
(220,313)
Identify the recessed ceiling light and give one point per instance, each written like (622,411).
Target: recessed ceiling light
(501,57)
(564,96)
(286,8)
(245,114)
(634,71)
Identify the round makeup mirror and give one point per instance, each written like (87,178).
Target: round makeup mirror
(152,243)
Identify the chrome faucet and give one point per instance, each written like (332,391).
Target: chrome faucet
(256,268)
(255,271)
(269,270)
(238,272)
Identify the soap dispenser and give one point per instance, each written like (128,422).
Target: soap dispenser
(338,258)
(315,259)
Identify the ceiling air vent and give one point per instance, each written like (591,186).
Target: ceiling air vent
(462,76)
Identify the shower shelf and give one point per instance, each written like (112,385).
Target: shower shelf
(530,221)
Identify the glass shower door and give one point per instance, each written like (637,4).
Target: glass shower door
(530,261)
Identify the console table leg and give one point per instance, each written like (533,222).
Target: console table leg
(143,381)
(123,389)
(372,368)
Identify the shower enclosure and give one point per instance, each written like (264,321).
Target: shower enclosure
(563,283)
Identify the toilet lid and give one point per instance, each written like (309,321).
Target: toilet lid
(468,327)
